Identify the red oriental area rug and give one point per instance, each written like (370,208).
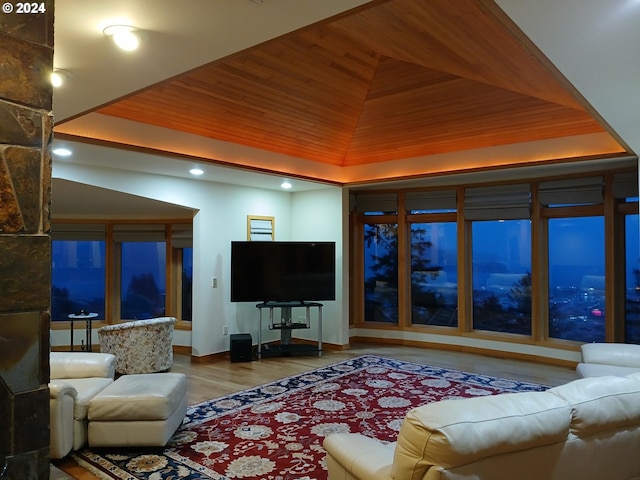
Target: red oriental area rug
(275,431)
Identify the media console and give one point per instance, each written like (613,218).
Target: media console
(286,325)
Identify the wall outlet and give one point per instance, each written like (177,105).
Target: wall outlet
(225,330)
(214,282)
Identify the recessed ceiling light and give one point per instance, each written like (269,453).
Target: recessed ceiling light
(62,152)
(196,171)
(286,185)
(125,37)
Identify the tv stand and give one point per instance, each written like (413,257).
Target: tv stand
(286,325)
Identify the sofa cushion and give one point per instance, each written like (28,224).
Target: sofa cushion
(87,388)
(601,370)
(81,365)
(456,432)
(354,455)
(620,354)
(601,403)
(634,376)
(145,396)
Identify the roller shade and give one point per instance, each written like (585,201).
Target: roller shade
(376,202)
(181,236)
(505,202)
(139,233)
(575,191)
(625,185)
(432,200)
(78,231)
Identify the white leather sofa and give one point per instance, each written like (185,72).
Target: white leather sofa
(587,429)
(76,377)
(600,359)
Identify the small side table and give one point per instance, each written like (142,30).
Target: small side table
(87,317)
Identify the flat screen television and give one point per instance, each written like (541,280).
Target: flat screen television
(283,271)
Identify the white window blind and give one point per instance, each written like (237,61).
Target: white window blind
(376,202)
(78,231)
(503,202)
(139,233)
(625,185)
(431,200)
(181,236)
(574,191)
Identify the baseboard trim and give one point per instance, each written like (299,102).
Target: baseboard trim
(463,348)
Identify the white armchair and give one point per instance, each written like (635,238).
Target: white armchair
(141,346)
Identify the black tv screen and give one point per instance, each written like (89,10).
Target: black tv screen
(283,271)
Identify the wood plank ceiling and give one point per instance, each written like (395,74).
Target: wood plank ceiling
(393,80)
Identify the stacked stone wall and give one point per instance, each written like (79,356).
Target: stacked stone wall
(26,125)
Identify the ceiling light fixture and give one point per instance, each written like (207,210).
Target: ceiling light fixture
(196,171)
(58,77)
(286,185)
(62,152)
(125,37)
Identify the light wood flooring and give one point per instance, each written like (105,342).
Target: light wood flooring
(221,377)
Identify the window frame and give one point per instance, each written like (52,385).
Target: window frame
(612,209)
(113,258)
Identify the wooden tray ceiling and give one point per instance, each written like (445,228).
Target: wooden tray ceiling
(395,79)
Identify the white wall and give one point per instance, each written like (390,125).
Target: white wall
(318,215)
(221,217)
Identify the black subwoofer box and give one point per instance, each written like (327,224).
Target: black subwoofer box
(241,349)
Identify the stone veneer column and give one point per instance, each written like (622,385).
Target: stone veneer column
(26,60)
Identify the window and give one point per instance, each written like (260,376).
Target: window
(182,271)
(576,279)
(186,285)
(78,269)
(434,274)
(501,257)
(381,272)
(525,261)
(143,271)
(122,271)
(77,278)
(625,191)
(632,303)
(501,269)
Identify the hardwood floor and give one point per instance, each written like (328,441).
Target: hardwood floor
(221,377)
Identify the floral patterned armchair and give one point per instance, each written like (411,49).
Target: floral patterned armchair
(140,346)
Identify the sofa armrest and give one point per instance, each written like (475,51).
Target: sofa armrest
(62,397)
(358,456)
(81,365)
(619,354)
(60,389)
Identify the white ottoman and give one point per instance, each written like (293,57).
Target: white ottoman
(138,410)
